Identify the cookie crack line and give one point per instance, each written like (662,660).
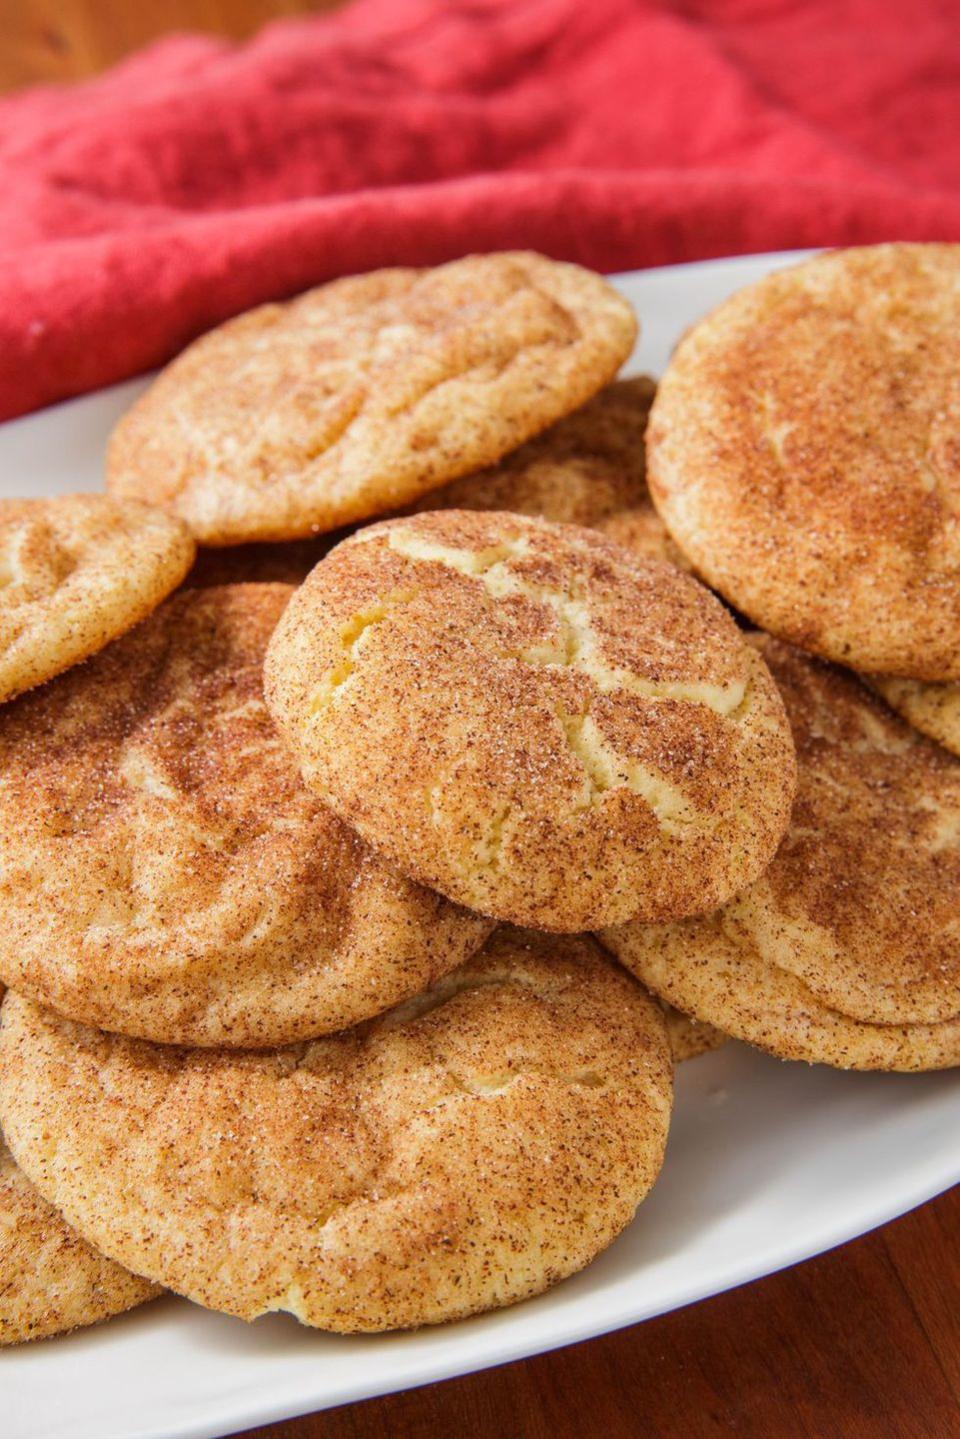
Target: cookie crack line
(491,857)
(450,987)
(775,432)
(606,770)
(37,559)
(573,648)
(354,633)
(578,648)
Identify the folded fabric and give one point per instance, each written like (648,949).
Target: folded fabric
(199,178)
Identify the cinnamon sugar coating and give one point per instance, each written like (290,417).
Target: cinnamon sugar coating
(51,1280)
(638,527)
(804,451)
(588,469)
(464,1151)
(76,571)
(847,950)
(587,466)
(533,721)
(361,395)
(163,870)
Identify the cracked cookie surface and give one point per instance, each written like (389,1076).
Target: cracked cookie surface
(532,720)
(76,571)
(847,950)
(361,395)
(163,870)
(464,1151)
(804,451)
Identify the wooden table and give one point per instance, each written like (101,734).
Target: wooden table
(862,1343)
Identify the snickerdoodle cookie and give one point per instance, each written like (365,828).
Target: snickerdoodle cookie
(464,1151)
(804,450)
(934,709)
(530,719)
(847,950)
(76,571)
(51,1280)
(361,395)
(163,870)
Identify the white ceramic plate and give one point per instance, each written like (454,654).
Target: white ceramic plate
(767,1164)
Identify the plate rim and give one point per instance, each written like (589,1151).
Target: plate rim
(223,1414)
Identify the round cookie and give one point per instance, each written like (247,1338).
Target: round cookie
(163,870)
(585,467)
(535,722)
(934,709)
(361,395)
(286,563)
(76,571)
(803,451)
(847,950)
(465,1151)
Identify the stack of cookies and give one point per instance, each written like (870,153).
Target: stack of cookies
(366,871)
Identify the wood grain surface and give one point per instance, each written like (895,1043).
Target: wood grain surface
(861,1343)
(50,40)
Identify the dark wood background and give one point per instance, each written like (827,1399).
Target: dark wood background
(861,1343)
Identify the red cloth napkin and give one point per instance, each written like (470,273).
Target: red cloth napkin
(199,178)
